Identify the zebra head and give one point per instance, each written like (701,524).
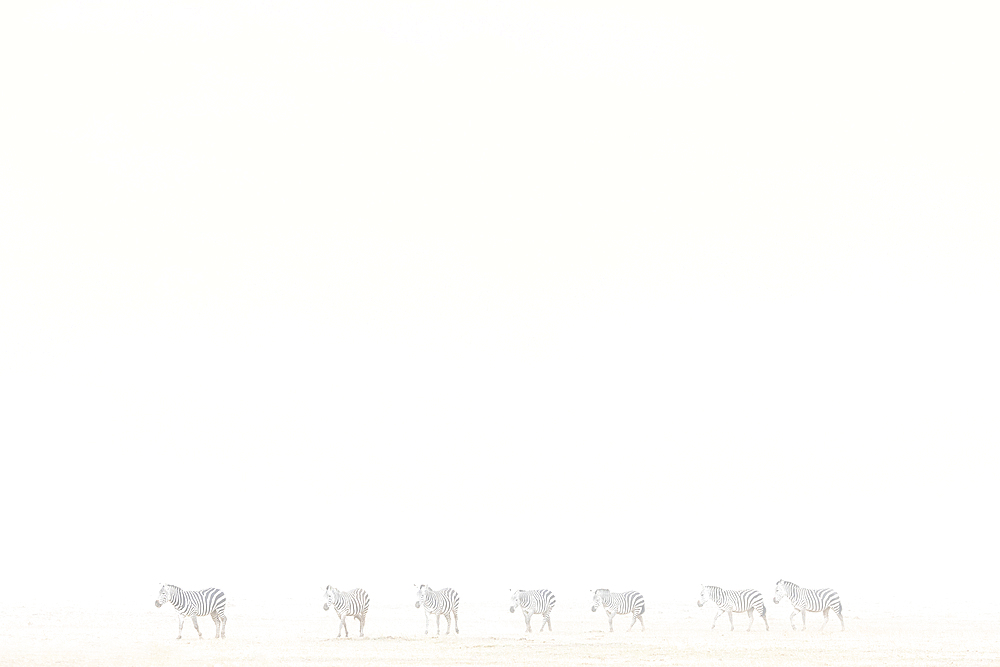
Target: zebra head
(780,590)
(161,599)
(602,597)
(515,599)
(328,596)
(420,594)
(703,598)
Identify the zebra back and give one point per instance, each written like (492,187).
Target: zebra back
(735,600)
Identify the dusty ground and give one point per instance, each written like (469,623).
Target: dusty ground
(294,634)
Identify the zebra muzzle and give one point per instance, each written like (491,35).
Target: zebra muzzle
(512,610)
(326,607)
(417,605)
(157,603)
(594,608)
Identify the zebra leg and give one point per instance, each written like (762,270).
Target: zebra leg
(792,617)
(343,622)
(731,626)
(438,617)
(180,624)
(641,622)
(194,619)
(611,627)
(455,612)
(447,619)
(361,618)
(803,620)
(527,621)
(218,623)
(837,610)
(826,618)
(548,619)
(750,614)
(717,615)
(763,614)
(427,622)
(222,615)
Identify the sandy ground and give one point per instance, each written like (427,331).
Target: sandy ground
(294,634)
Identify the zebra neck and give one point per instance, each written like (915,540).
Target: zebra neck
(175,597)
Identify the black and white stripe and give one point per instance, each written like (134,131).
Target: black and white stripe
(347,603)
(627,603)
(444,601)
(208,602)
(808,599)
(747,600)
(539,601)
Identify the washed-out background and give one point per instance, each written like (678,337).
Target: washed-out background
(498,295)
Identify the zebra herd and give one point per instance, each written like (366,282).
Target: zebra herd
(444,602)
(749,601)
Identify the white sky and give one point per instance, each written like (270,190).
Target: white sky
(492,295)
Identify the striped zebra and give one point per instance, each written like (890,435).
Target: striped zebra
(629,602)
(807,599)
(533,602)
(350,603)
(444,601)
(209,602)
(729,601)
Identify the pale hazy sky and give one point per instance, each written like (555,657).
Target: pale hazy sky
(491,295)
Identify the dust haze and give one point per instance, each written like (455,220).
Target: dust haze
(532,295)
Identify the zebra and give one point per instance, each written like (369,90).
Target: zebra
(807,599)
(533,602)
(629,602)
(347,603)
(208,602)
(444,601)
(739,601)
